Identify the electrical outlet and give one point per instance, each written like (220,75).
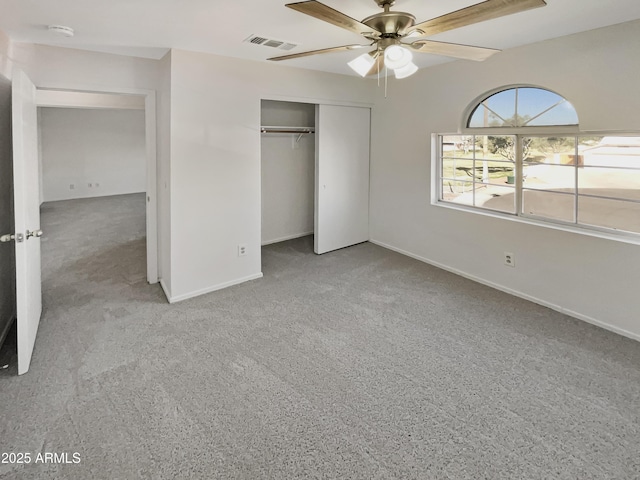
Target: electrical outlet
(242,249)
(72,186)
(96,185)
(90,185)
(509,259)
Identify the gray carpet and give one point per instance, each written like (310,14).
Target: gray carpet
(360,363)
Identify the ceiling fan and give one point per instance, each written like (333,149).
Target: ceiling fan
(386,31)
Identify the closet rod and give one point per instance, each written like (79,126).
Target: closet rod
(287,130)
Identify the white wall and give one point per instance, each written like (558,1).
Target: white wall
(67,68)
(290,114)
(288,172)
(164,174)
(591,278)
(99,152)
(215,160)
(6,55)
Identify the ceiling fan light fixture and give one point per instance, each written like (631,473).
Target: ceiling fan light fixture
(406,71)
(363,64)
(397,57)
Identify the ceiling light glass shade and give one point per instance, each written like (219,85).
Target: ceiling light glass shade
(363,64)
(396,56)
(406,71)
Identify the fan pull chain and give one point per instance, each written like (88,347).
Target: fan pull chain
(386,74)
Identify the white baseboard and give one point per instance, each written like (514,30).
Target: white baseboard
(220,286)
(88,195)
(288,237)
(552,306)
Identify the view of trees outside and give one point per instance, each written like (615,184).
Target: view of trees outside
(590,180)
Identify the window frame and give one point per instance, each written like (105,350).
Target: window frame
(519,133)
(519,215)
(475,104)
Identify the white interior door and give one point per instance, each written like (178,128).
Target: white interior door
(342,177)
(27,215)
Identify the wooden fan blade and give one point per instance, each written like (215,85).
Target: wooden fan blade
(455,50)
(480,12)
(316,52)
(377,67)
(328,14)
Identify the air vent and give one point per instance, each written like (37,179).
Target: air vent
(273,43)
(270,42)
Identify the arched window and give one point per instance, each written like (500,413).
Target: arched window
(522,107)
(521,153)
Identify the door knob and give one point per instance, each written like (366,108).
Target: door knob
(35,233)
(18,237)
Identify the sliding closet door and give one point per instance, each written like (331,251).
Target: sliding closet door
(342,177)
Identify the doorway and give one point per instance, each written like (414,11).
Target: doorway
(144,103)
(92,196)
(7,255)
(287,150)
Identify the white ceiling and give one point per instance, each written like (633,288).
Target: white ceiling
(148,28)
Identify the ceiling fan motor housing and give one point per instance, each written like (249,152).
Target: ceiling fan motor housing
(391,24)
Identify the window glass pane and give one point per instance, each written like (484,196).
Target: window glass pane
(607,213)
(550,177)
(459,146)
(501,198)
(457,169)
(495,159)
(609,182)
(557,206)
(549,150)
(585,143)
(620,152)
(479,117)
(533,101)
(457,191)
(502,108)
(562,114)
(497,175)
(537,106)
(499,148)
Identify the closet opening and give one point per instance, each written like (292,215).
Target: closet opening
(315,176)
(288,170)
